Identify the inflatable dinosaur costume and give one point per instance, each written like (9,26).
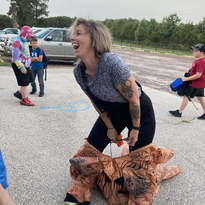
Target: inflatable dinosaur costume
(132,179)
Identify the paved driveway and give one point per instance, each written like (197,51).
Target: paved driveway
(37,142)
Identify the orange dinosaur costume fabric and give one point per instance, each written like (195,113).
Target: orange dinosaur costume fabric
(132,179)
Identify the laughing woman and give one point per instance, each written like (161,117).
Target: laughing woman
(121,103)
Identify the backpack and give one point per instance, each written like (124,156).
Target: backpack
(45,59)
(185,87)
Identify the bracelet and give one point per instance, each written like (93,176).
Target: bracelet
(136,128)
(110,128)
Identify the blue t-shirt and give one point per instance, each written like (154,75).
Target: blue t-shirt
(3,176)
(35,54)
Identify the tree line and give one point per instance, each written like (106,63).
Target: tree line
(59,22)
(32,13)
(170,31)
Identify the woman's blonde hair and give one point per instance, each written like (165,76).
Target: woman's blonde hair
(100,36)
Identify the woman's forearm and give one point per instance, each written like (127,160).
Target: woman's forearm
(130,92)
(135,113)
(104,117)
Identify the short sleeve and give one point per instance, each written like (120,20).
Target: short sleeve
(120,71)
(200,66)
(41,52)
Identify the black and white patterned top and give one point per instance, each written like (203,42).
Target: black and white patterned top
(110,72)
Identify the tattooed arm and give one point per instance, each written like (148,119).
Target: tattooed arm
(130,91)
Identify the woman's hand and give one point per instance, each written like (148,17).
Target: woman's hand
(133,138)
(24,71)
(112,135)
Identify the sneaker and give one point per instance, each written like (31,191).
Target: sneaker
(202,117)
(18,95)
(32,92)
(41,95)
(27,102)
(175,113)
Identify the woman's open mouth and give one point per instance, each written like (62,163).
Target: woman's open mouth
(75,46)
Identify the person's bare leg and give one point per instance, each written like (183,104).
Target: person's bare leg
(184,103)
(4,197)
(202,101)
(23,91)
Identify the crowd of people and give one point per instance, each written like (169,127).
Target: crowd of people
(135,177)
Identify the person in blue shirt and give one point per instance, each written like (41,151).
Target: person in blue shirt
(37,67)
(4,197)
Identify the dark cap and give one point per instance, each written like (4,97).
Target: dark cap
(199,47)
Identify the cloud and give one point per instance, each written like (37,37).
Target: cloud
(187,10)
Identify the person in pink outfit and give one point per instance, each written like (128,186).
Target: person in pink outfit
(21,62)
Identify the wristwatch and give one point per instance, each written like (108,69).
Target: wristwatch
(136,128)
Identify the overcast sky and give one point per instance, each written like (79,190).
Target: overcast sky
(187,10)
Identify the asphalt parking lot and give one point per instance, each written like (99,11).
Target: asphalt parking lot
(37,142)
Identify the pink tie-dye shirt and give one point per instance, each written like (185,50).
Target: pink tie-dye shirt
(21,54)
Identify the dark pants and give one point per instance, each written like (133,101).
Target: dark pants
(121,119)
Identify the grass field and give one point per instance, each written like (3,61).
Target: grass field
(2,63)
(151,47)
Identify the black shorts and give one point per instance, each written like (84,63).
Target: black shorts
(198,92)
(22,79)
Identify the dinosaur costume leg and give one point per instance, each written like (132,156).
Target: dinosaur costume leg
(143,185)
(85,167)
